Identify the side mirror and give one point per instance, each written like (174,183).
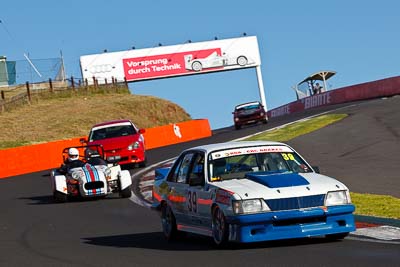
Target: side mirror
(142,131)
(316,169)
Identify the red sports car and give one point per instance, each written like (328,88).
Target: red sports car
(248,113)
(122,141)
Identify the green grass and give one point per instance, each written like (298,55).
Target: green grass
(366,204)
(376,205)
(9,144)
(300,128)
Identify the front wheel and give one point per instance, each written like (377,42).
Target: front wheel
(168,223)
(219,227)
(143,163)
(126,193)
(59,197)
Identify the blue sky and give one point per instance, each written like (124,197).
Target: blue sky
(360,40)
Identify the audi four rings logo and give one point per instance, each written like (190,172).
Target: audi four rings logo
(100,68)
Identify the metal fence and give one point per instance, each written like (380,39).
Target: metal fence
(30,70)
(24,80)
(15,96)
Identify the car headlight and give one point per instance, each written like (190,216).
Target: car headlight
(250,206)
(337,198)
(135,145)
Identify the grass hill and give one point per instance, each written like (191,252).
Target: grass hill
(52,117)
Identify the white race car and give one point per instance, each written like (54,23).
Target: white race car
(213,61)
(248,192)
(95,177)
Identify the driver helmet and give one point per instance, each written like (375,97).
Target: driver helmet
(90,153)
(73,154)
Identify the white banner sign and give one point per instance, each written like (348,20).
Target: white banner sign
(169,61)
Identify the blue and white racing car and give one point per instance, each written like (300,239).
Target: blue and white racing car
(91,176)
(250,191)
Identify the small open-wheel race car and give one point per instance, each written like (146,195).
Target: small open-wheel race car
(86,174)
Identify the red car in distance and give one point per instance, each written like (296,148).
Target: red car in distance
(122,141)
(249,113)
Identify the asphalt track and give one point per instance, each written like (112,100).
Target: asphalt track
(361,150)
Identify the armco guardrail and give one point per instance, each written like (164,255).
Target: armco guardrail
(380,88)
(39,157)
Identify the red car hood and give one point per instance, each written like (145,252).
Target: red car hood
(116,143)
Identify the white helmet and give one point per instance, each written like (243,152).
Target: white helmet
(73,154)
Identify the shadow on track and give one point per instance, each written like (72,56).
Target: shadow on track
(49,200)
(40,200)
(190,242)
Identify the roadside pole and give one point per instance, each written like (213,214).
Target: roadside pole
(261,87)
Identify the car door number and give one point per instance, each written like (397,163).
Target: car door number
(192,201)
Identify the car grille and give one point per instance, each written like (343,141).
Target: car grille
(295,202)
(124,158)
(297,221)
(94,185)
(249,116)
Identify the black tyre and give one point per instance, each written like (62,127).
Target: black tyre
(126,193)
(197,66)
(265,121)
(237,127)
(219,227)
(143,163)
(337,236)
(59,197)
(242,60)
(168,223)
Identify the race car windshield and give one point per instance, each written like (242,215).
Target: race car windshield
(251,107)
(236,167)
(112,132)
